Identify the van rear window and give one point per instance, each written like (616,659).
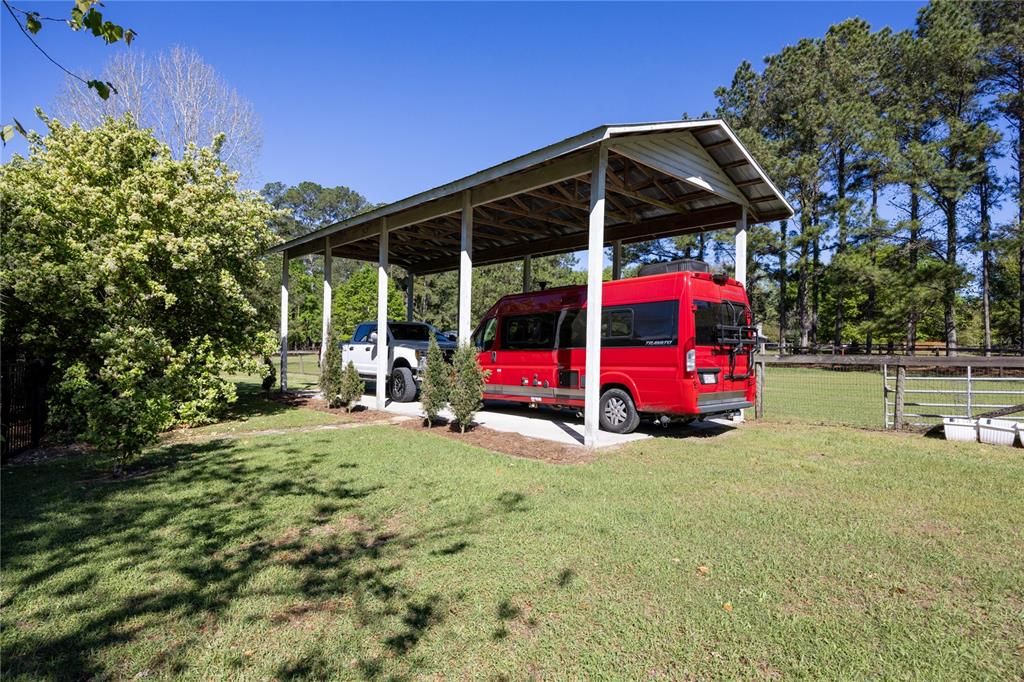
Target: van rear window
(639,324)
(707,316)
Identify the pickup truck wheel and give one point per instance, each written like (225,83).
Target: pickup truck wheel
(403,385)
(617,412)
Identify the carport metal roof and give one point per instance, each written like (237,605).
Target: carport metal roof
(663,179)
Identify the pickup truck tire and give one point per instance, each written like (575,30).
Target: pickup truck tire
(402,386)
(617,412)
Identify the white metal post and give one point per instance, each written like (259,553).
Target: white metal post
(617,259)
(382,316)
(409,297)
(741,264)
(741,249)
(595,275)
(284,321)
(527,273)
(328,261)
(466,269)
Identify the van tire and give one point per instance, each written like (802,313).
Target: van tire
(617,412)
(402,386)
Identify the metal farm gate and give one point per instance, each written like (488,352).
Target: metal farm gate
(22,406)
(888,392)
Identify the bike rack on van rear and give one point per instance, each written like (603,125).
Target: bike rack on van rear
(738,338)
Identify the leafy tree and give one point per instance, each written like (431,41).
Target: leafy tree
(437,379)
(302,209)
(331,373)
(467,388)
(437,296)
(128,271)
(355,301)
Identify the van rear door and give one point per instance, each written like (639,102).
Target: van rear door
(723,341)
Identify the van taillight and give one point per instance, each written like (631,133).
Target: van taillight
(691,360)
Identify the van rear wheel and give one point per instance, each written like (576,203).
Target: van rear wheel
(617,412)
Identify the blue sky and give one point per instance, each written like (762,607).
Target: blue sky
(391,99)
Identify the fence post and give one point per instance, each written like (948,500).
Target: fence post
(969,415)
(759,396)
(885,396)
(901,381)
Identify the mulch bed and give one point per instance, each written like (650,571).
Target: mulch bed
(514,444)
(359,414)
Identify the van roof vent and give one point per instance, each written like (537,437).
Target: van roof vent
(681,265)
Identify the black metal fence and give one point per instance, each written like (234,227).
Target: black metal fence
(22,406)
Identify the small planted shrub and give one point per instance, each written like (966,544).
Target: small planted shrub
(467,387)
(436,383)
(269,374)
(352,387)
(331,373)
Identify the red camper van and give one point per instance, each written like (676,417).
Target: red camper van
(674,345)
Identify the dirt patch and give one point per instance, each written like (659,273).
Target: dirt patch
(49,453)
(514,444)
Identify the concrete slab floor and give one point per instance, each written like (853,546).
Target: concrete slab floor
(559,426)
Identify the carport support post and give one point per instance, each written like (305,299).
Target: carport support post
(328,258)
(595,275)
(741,249)
(617,259)
(527,273)
(382,316)
(284,321)
(466,269)
(741,264)
(408,297)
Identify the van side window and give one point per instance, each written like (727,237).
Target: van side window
(528,332)
(617,323)
(640,324)
(484,338)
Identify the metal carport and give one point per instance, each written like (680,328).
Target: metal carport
(612,185)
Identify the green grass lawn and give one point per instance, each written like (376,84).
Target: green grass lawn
(379,552)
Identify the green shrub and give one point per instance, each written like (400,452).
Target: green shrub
(436,384)
(331,373)
(130,271)
(269,374)
(467,386)
(352,387)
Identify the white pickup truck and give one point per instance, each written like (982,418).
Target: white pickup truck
(407,351)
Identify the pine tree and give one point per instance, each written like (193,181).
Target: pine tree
(437,380)
(352,387)
(331,372)
(467,389)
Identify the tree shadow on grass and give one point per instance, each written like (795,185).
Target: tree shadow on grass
(195,538)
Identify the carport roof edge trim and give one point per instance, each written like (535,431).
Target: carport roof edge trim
(525,161)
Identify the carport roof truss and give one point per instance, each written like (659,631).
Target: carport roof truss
(663,179)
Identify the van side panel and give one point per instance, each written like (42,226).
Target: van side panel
(530,368)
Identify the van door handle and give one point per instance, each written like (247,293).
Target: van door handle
(494,356)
